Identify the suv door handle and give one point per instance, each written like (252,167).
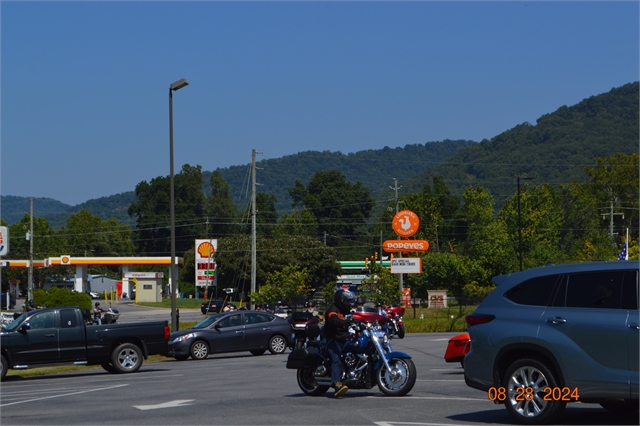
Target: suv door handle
(239,331)
(635,325)
(50,335)
(556,320)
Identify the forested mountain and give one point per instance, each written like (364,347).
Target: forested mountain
(374,168)
(555,150)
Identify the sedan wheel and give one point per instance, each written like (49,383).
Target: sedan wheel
(199,350)
(277,345)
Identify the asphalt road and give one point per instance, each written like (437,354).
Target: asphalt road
(241,389)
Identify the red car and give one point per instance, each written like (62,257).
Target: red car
(457,348)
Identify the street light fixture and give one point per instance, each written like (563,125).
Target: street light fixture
(172,268)
(519,221)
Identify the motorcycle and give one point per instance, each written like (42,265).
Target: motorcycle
(298,323)
(367,360)
(109,316)
(395,314)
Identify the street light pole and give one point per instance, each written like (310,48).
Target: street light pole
(519,221)
(172,268)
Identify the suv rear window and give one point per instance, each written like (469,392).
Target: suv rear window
(536,291)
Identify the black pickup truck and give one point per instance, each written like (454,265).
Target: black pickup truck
(60,336)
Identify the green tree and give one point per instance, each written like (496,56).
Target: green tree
(284,285)
(221,211)
(152,235)
(233,260)
(299,223)
(541,220)
(487,237)
(381,285)
(340,207)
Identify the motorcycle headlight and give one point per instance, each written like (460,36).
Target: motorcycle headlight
(183,338)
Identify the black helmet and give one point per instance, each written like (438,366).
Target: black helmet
(359,301)
(311,304)
(97,303)
(31,303)
(344,300)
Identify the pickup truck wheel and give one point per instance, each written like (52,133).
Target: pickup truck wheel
(109,367)
(277,345)
(199,350)
(4,366)
(126,358)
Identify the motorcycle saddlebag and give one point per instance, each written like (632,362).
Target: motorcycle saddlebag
(303,358)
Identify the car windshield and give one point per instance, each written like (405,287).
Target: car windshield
(208,321)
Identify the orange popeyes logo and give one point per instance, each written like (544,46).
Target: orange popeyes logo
(206,249)
(405,223)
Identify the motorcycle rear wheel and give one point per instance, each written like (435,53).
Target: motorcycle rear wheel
(308,383)
(401,382)
(401,331)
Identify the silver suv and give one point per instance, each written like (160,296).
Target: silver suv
(557,334)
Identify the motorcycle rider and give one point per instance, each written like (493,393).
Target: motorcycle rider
(336,329)
(97,313)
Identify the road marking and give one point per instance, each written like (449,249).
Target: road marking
(439,380)
(64,394)
(452,398)
(416,424)
(170,404)
(439,340)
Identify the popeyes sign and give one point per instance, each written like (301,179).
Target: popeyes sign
(405,246)
(405,223)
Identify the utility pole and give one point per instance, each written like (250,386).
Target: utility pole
(206,286)
(30,279)
(253,223)
(611,214)
(395,187)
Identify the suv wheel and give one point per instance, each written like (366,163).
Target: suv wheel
(525,381)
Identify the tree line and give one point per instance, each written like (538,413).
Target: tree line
(330,219)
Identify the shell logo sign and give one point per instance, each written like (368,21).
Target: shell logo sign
(65,260)
(405,223)
(206,249)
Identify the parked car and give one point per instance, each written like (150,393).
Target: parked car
(457,348)
(236,331)
(557,334)
(211,306)
(93,295)
(3,301)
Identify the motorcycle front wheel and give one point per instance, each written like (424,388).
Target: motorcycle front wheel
(400,380)
(401,331)
(308,383)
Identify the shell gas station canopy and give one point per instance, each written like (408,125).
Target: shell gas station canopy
(82,264)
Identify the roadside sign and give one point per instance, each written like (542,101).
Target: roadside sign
(4,240)
(406,265)
(405,246)
(405,223)
(205,266)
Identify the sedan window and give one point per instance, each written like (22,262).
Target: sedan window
(256,318)
(231,321)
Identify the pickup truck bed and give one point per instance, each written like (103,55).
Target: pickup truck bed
(60,336)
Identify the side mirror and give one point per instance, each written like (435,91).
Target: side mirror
(24,327)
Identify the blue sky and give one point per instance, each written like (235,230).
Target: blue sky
(84,85)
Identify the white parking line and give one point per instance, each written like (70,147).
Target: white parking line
(61,395)
(449,398)
(416,424)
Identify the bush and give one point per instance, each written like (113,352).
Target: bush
(56,296)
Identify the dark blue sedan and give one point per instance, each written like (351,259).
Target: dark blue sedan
(236,331)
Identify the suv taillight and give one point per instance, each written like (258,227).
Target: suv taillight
(167,332)
(475,319)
